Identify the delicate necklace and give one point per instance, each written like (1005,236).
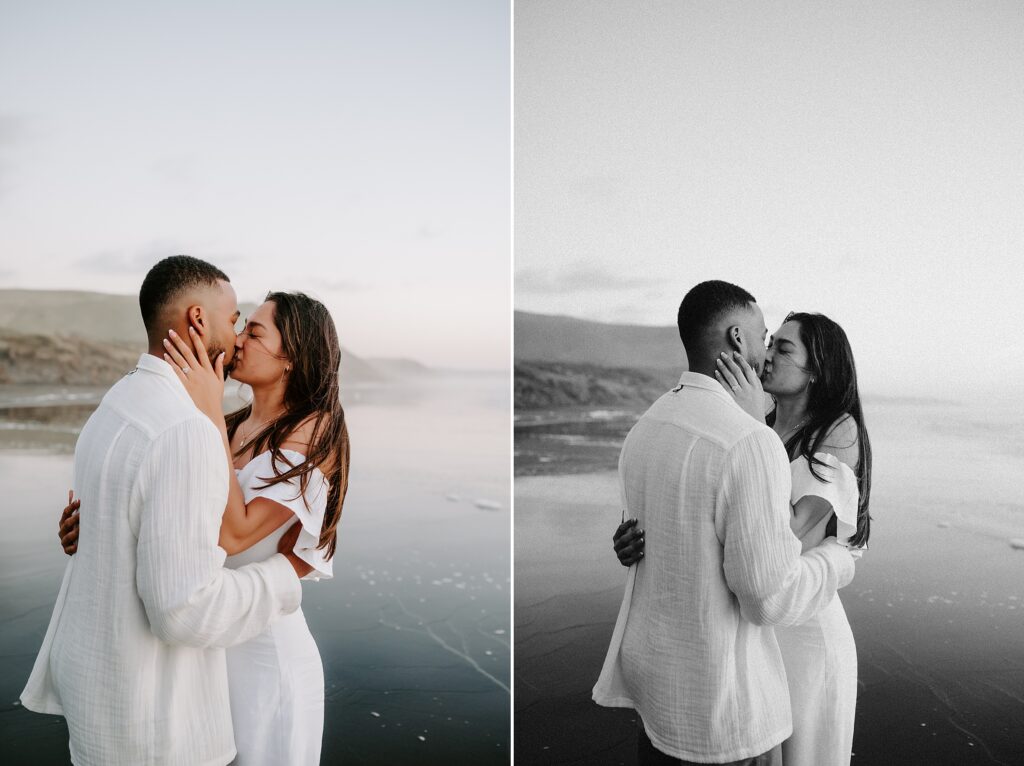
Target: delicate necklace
(245,439)
(256,431)
(795,428)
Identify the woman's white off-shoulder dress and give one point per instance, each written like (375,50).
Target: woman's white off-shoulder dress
(276,680)
(820,655)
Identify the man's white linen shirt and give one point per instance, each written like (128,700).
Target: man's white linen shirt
(692,650)
(133,656)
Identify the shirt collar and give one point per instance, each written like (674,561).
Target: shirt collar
(696,380)
(149,363)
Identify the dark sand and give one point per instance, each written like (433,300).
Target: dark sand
(937,613)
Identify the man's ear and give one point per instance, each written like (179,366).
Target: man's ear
(734,338)
(197,319)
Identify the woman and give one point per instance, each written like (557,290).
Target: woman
(290,452)
(810,373)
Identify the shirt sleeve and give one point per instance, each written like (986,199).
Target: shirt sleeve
(773,583)
(190,598)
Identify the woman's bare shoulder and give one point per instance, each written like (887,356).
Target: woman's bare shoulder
(843,440)
(300,440)
(843,433)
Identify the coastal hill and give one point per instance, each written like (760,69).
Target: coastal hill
(563,361)
(96,316)
(548,338)
(69,337)
(35,358)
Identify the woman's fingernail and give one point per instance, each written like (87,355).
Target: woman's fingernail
(167,342)
(172,332)
(191,330)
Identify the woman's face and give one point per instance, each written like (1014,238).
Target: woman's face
(785,362)
(259,355)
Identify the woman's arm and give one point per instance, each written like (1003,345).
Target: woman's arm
(811,515)
(245,525)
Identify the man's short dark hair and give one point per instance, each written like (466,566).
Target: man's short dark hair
(702,307)
(168,279)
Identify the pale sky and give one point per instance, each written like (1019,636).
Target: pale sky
(860,159)
(358,151)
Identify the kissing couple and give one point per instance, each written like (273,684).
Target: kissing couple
(731,642)
(177,636)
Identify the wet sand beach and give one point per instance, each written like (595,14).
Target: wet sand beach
(413,629)
(937,606)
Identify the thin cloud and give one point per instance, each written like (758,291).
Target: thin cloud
(140,260)
(579,278)
(111,262)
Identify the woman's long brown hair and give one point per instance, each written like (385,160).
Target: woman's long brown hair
(310,344)
(833,397)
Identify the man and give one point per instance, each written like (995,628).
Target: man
(133,657)
(692,650)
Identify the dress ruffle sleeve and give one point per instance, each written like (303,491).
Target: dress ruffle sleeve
(309,510)
(839,489)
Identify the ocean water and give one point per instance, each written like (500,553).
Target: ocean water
(414,628)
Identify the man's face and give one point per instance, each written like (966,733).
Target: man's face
(222,315)
(754,334)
